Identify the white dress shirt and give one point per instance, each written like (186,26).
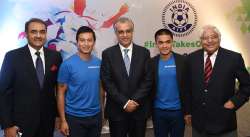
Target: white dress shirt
(212,58)
(34,56)
(130,47)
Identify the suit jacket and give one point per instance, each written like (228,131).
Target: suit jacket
(206,104)
(120,87)
(23,102)
(180,63)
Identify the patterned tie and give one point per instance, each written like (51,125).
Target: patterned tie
(39,69)
(208,70)
(126,60)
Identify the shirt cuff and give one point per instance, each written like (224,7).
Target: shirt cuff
(126,104)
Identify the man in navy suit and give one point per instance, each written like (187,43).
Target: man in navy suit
(27,86)
(127,80)
(211,99)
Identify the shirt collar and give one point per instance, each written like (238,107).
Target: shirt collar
(33,51)
(214,54)
(129,47)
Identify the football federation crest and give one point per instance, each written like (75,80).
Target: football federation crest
(180,17)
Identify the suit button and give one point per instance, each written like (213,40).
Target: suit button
(203,104)
(205,90)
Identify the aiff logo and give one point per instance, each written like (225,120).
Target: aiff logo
(180,17)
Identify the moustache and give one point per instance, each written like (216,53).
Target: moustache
(40,39)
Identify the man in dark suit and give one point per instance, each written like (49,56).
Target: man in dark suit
(27,86)
(212,100)
(127,80)
(168,87)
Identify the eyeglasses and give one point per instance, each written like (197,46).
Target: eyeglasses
(122,32)
(213,37)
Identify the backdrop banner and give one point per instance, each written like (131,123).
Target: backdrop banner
(183,17)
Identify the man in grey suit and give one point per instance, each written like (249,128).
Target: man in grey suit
(127,80)
(211,102)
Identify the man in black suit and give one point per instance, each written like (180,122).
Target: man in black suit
(127,80)
(27,86)
(212,100)
(168,87)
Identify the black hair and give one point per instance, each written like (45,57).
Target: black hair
(34,20)
(85,29)
(163,31)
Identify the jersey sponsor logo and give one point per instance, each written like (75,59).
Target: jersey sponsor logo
(169,66)
(93,67)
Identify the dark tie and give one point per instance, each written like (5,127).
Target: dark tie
(39,69)
(208,70)
(126,60)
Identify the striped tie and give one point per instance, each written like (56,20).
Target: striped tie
(208,70)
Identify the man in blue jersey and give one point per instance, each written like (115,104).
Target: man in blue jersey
(79,89)
(168,88)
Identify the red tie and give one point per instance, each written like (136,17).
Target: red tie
(208,70)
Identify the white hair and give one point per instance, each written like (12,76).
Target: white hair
(206,27)
(123,20)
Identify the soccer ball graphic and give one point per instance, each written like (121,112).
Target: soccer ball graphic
(180,18)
